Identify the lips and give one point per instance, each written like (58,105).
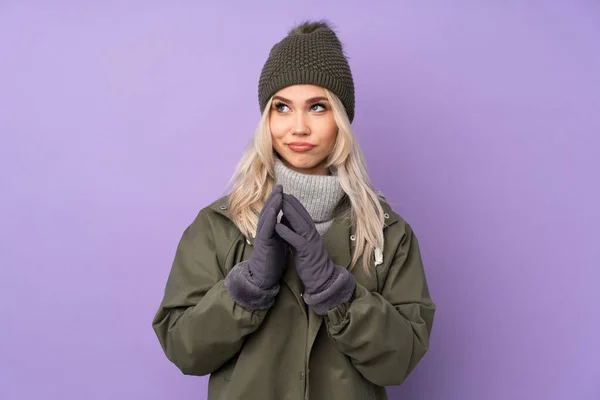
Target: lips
(300,147)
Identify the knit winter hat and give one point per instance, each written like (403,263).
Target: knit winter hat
(312,54)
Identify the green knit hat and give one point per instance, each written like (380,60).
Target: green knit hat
(312,54)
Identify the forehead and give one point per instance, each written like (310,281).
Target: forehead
(301,92)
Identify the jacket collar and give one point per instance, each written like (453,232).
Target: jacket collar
(341,226)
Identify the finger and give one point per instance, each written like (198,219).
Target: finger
(293,200)
(286,222)
(278,198)
(290,236)
(295,220)
(274,198)
(266,224)
(295,216)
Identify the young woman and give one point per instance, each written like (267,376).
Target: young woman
(302,283)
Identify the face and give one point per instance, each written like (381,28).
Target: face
(303,128)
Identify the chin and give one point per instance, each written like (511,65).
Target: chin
(303,162)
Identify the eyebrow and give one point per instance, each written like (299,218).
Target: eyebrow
(311,100)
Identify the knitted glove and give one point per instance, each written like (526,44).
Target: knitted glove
(255,283)
(326,285)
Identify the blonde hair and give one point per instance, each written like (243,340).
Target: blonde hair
(254,180)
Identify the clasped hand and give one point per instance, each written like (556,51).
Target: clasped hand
(296,229)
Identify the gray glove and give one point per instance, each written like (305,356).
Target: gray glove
(254,283)
(326,284)
(267,261)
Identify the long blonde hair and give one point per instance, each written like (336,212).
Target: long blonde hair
(254,180)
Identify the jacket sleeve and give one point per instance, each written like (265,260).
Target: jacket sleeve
(198,324)
(386,334)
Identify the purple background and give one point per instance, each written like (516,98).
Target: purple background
(479,120)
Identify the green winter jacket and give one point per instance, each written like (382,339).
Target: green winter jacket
(287,351)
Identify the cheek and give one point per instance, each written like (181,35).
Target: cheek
(332,132)
(277,129)
(277,136)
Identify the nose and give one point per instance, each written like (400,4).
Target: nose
(301,126)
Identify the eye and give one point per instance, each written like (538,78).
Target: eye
(315,107)
(280,107)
